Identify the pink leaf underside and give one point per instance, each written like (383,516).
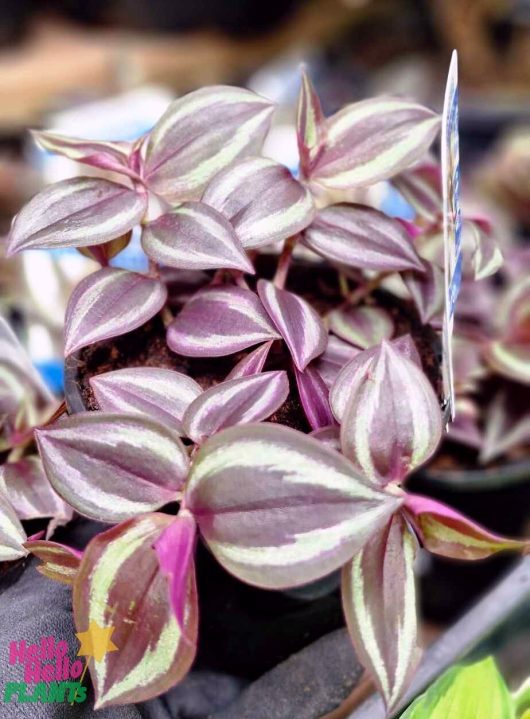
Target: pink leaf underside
(310,125)
(59,562)
(78,212)
(262,200)
(363,326)
(194,236)
(328,435)
(392,421)
(278,508)
(362,237)
(252,363)
(379,601)
(30,492)
(337,354)
(428,291)
(219,321)
(112,467)
(297,322)
(162,394)
(421,186)
(108,303)
(314,395)
(448,533)
(236,401)
(199,135)
(352,371)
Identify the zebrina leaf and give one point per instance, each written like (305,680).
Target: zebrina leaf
(330,435)
(428,291)
(363,326)
(379,600)
(12,535)
(111,467)
(160,393)
(510,359)
(361,237)
(237,401)
(79,212)
(219,321)
(194,236)
(337,354)
(421,186)
(464,428)
(310,125)
(298,323)
(448,533)
(314,396)
(120,584)
(262,200)
(59,562)
(199,135)
(252,363)
(392,421)
(278,508)
(30,492)
(483,254)
(108,303)
(507,426)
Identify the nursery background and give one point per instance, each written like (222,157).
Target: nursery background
(107,69)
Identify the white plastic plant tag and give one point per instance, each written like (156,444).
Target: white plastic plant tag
(452,224)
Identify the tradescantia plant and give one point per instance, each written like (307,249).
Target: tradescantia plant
(277,507)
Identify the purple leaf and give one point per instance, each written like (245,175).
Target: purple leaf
(363,326)
(219,321)
(194,237)
(464,428)
(332,360)
(175,547)
(108,303)
(79,212)
(328,435)
(59,562)
(262,200)
(421,186)
(278,508)
(199,135)
(507,424)
(298,323)
(428,291)
(482,254)
(392,421)
(237,401)
(12,535)
(362,237)
(162,394)
(314,396)
(110,466)
(468,367)
(310,125)
(379,598)
(252,363)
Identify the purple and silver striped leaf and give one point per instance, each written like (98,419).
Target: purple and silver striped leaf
(30,492)
(194,236)
(353,372)
(120,585)
(482,255)
(373,140)
(12,535)
(332,360)
(59,562)
(111,467)
(379,599)
(421,186)
(79,212)
(510,359)
(175,548)
(162,394)
(252,363)
(262,200)
(310,125)
(362,237)
(111,156)
(362,327)
(392,421)
(464,429)
(199,135)
(507,423)
(448,533)
(278,508)
(236,401)
(314,396)
(428,291)
(296,321)
(108,303)
(219,321)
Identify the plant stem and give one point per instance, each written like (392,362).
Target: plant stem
(284,262)
(154,270)
(362,291)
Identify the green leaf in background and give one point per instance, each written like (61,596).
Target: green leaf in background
(476,691)
(521,700)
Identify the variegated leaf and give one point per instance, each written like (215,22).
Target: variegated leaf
(120,585)
(111,467)
(464,429)
(219,321)
(421,186)
(252,363)
(448,533)
(379,599)
(310,125)
(59,562)
(160,393)
(314,396)
(392,421)
(13,355)
(363,326)
(195,236)
(30,492)
(78,212)
(428,291)
(373,140)
(332,360)
(262,200)
(236,401)
(296,321)
(108,303)
(468,367)
(482,254)
(362,237)
(278,508)
(12,535)
(199,135)
(507,423)
(510,359)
